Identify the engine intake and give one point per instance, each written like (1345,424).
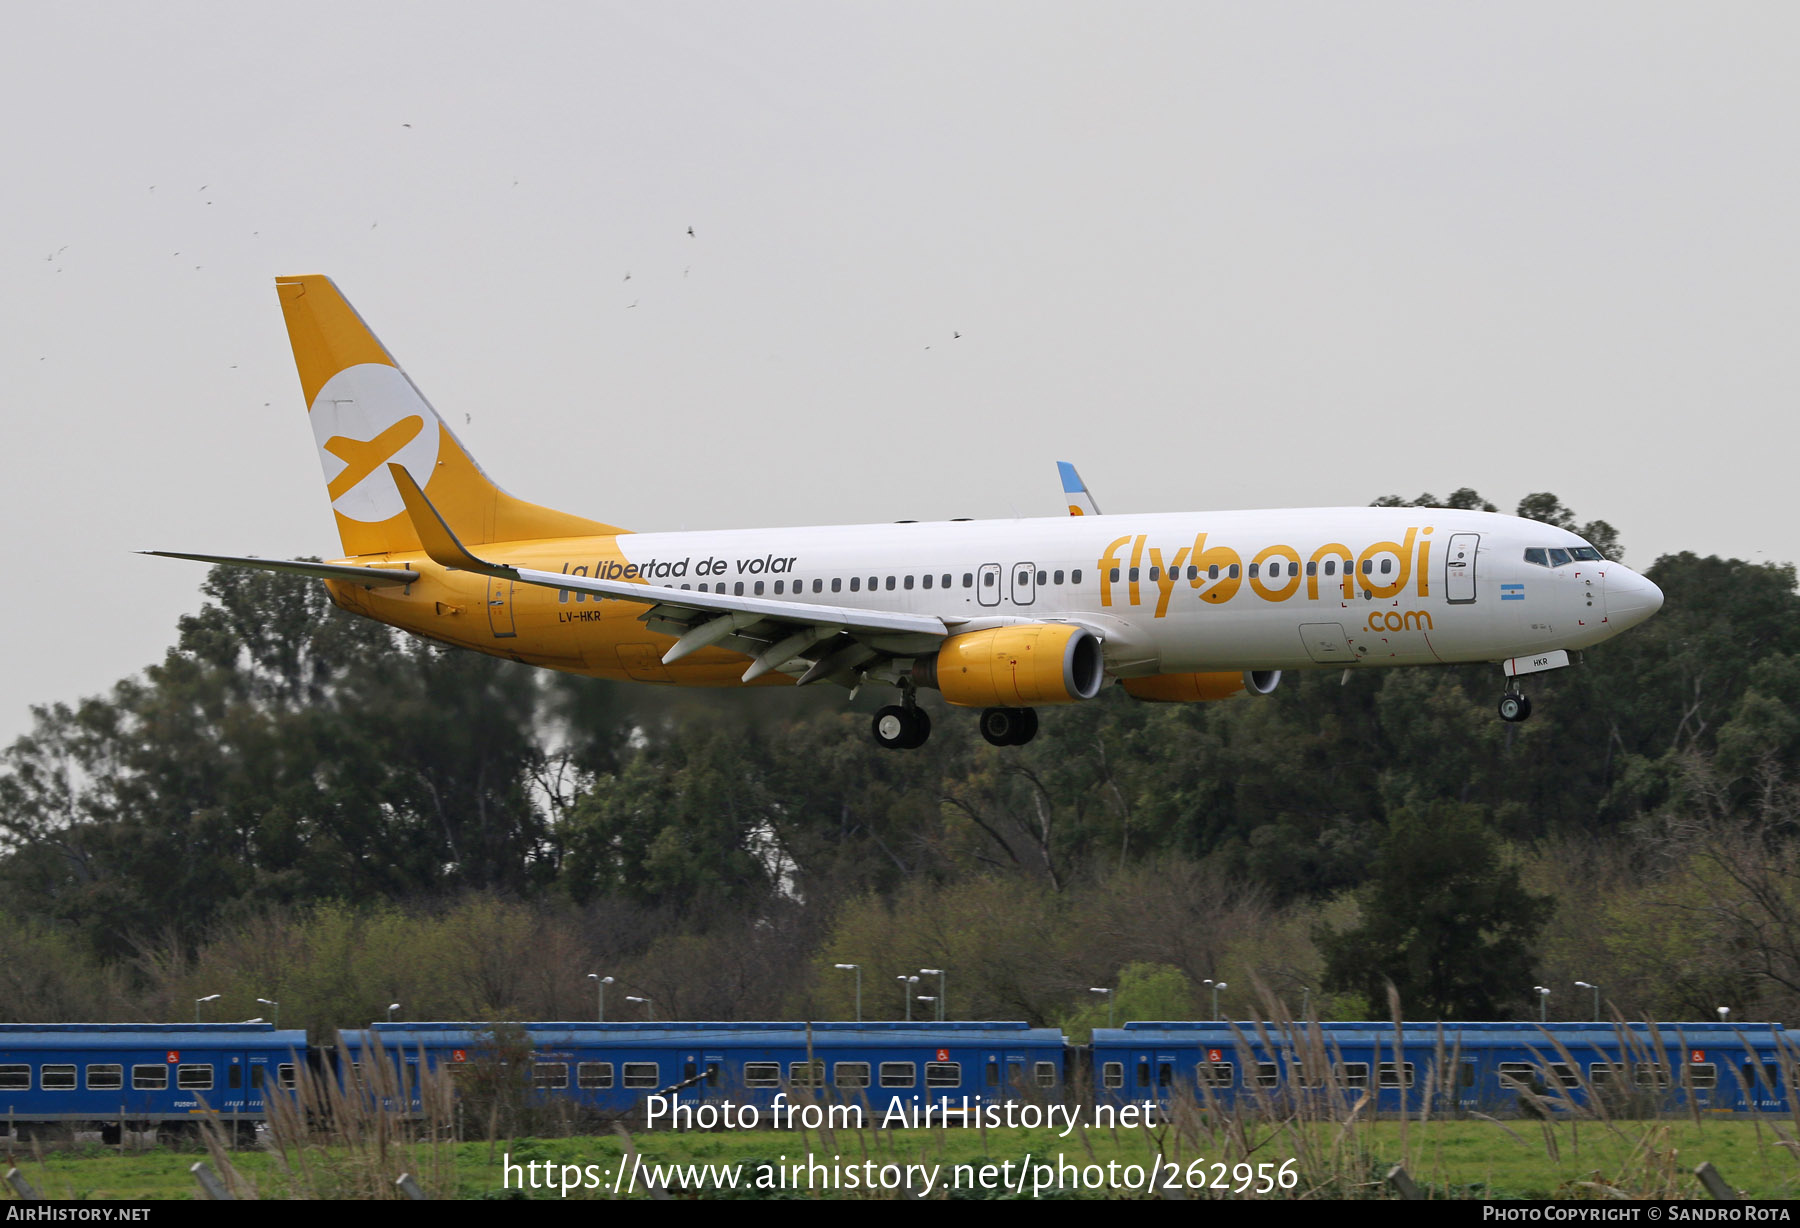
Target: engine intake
(1016,667)
(1201,688)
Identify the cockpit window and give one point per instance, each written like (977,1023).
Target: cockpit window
(1553,556)
(1558,557)
(1536,554)
(1586,554)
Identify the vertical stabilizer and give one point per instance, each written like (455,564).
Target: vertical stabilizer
(367,414)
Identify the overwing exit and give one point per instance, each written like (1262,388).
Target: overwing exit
(1000,616)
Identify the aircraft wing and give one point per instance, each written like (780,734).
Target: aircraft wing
(371,577)
(777,633)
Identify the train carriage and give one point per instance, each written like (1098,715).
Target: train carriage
(143,1076)
(612,1067)
(1487,1067)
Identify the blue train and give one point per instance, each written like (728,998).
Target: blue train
(142,1076)
(610,1068)
(168,1076)
(1438,1067)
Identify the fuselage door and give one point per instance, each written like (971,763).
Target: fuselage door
(500,608)
(1024,591)
(987,584)
(1459,568)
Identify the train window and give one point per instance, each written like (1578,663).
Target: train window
(1165,1074)
(105,1077)
(1516,1075)
(1701,1075)
(285,1075)
(592,1076)
(1268,1074)
(234,1077)
(1216,1074)
(1143,1078)
(1602,1073)
(850,1074)
(1394,1074)
(1046,1074)
(807,1074)
(1564,1075)
(1468,1074)
(56,1078)
(712,1074)
(898,1074)
(194,1076)
(993,1073)
(1651,1074)
(149,1078)
(550,1076)
(762,1074)
(256,1077)
(1353,1074)
(943,1074)
(689,1070)
(1113,1074)
(640,1074)
(15,1078)
(1307,1077)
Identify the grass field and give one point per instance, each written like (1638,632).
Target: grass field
(1449,1158)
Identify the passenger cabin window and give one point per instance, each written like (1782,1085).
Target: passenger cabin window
(807,1074)
(1702,1075)
(1268,1074)
(592,1076)
(898,1074)
(837,584)
(1394,1074)
(550,1076)
(197,1077)
(15,1078)
(105,1077)
(1216,1074)
(640,1074)
(943,1074)
(1075,576)
(1046,1074)
(1354,1074)
(56,1078)
(850,1074)
(855,584)
(1112,1074)
(762,1074)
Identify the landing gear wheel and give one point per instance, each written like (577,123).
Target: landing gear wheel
(1514,707)
(1009,726)
(894,727)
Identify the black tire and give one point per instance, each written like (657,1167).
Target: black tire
(1028,726)
(921,727)
(999,725)
(1514,708)
(1524,707)
(895,728)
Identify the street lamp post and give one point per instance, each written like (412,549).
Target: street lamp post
(906,984)
(211,997)
(600,984)
(276,1006)
(1596,989)
(941,996)
(1109,1003)
(856,968)
(1217,986)
(649,1006)
(1543,994)
(392,1007)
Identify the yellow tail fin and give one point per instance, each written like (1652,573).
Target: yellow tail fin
(366,413)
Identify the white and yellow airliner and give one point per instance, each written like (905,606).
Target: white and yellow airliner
(1003,616)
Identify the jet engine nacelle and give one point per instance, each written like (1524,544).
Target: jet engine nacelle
(1016,667)
(1199,688)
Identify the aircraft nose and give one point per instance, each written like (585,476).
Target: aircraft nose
(1630,598)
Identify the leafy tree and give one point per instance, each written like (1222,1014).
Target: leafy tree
(1443,919)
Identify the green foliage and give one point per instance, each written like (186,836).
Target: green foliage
(1445,921)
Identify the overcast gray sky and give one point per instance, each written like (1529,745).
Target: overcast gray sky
(1218,255)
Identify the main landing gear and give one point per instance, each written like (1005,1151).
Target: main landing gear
(902,726)
(1514,706)
(1009,726)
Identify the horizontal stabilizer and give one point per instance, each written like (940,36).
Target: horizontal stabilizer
(371,577)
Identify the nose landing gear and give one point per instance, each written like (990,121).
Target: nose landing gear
(1514,706)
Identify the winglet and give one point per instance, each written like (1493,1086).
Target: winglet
(436,536)
(1075,491)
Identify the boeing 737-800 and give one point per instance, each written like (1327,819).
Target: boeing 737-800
(1004,616)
